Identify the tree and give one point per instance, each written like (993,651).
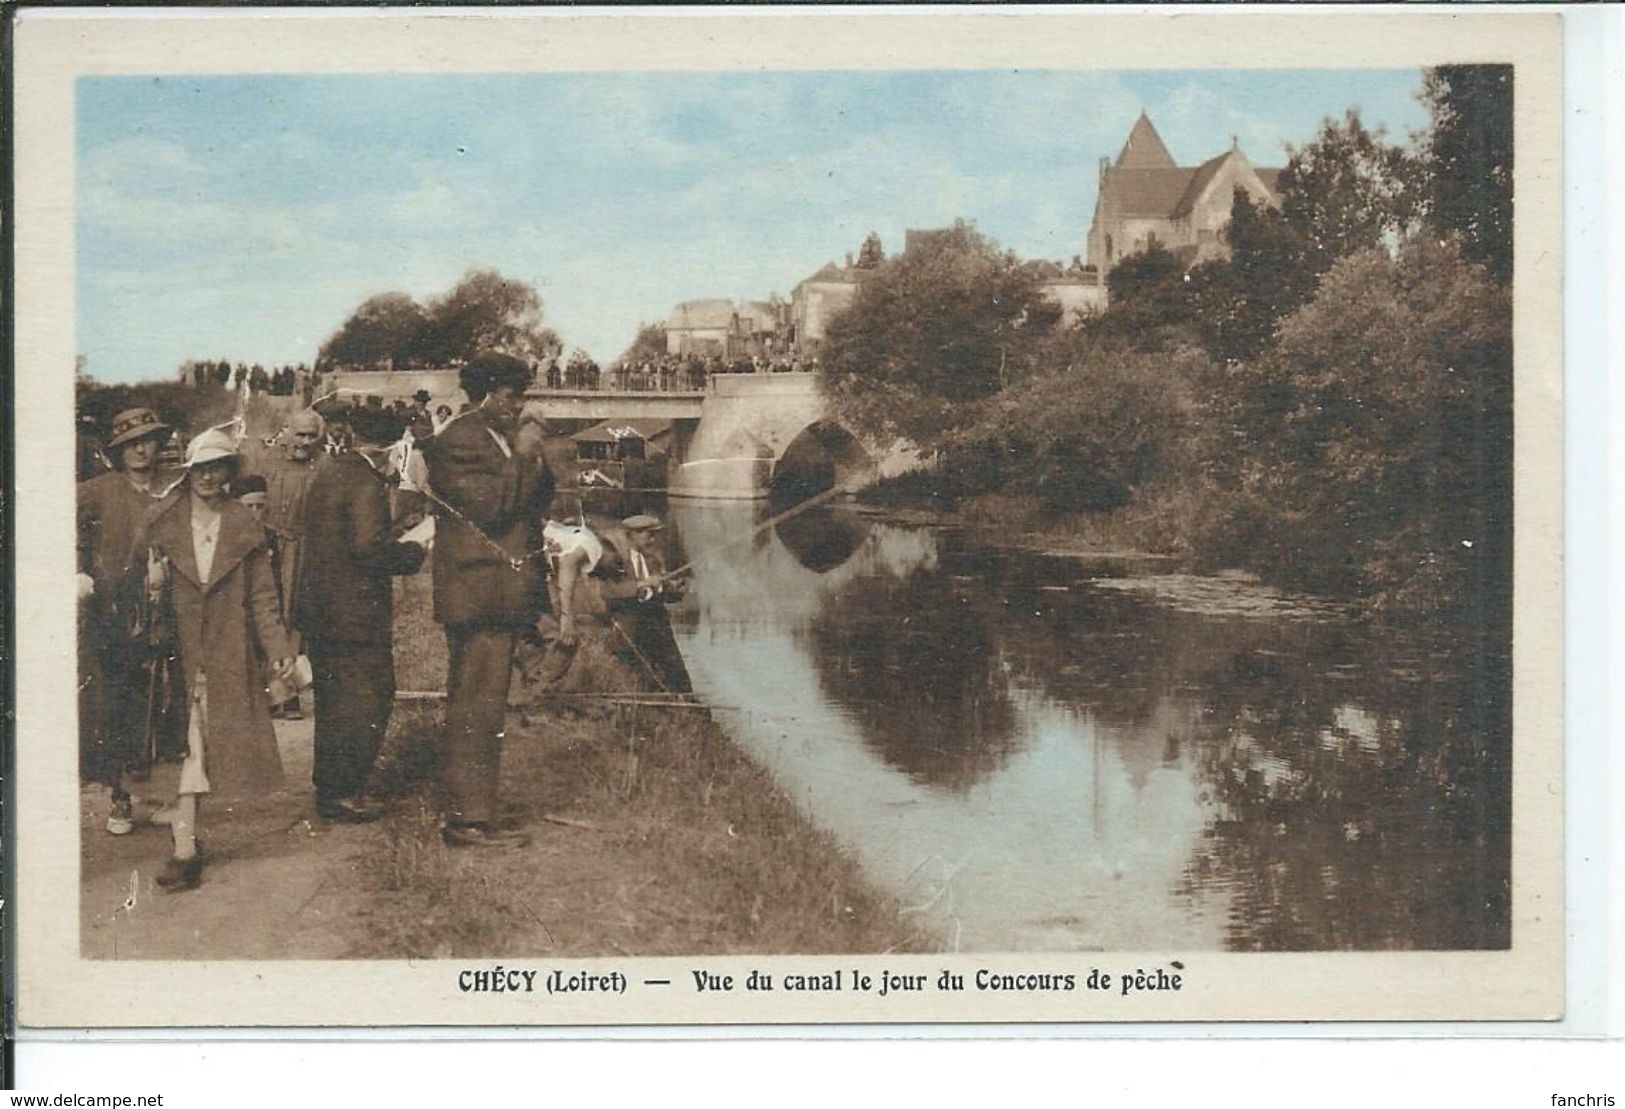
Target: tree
(1467,157)
(1374,440)
(487,311)
(649,346)
(1149,306)
(1237,302)
(388,328)
(944,324)
(871,254)
(1084,434)
(1348,190)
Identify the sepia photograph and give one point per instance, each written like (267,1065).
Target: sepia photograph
(543,522)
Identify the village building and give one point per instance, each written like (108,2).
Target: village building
(818,299)
(727,330)
(1077,290)
(1146,200)
(699,328)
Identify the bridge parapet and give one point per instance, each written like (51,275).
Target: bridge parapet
(606,404)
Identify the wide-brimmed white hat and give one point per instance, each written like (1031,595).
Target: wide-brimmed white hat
(211,446)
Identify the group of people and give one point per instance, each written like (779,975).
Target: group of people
(279,381)
(203,599)
(666,374)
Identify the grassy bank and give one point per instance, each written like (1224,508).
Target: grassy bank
(653,835)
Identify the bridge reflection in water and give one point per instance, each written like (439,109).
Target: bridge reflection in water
(1031,762)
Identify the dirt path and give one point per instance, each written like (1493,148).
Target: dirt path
(279,883)
(651,835)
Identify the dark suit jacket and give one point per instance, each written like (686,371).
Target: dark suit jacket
(344,593)
(498,497)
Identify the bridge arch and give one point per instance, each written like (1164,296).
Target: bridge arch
(823,455)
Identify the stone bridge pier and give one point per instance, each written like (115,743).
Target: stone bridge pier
(764,432)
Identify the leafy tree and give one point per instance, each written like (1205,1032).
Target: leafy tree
(1238,302)
(483,311)
(650,345)
(872,253)
(1467,157)
(1149,306)
(944,324)
(1348,190)
(1374,440)
(388,328)
(487,311)
(1083,436)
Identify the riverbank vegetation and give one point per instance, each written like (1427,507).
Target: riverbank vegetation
(654,835)
(1330,406)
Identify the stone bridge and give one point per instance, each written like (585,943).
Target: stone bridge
(743,436)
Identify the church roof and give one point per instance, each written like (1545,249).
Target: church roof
(1170,193)
(1146,183)
(1200,179)
(1148,192)
(1144,148)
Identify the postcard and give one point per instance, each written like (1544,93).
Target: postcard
(698,517)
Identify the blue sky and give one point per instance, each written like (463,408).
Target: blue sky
(245,217)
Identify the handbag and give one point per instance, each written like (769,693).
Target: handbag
(155,639)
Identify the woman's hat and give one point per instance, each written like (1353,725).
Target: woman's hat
(133,424)
(211,446)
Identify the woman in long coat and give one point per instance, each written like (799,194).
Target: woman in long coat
(211,554)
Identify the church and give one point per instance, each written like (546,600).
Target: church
(1147,200)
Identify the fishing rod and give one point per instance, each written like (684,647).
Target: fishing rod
(793,511)
(651,700)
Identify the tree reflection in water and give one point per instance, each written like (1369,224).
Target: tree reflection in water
(1364,814)
(919,670)
(1105,764)
(1357,788)
(1360,788)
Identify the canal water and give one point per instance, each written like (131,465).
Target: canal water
(1034,752)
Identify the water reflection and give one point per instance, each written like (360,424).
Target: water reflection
(820,539)
(1031,762)
(919,671)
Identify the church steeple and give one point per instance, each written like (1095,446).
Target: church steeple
(1144,148)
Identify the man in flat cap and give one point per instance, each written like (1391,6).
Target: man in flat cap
(112,697)
(490,498)
(289,471)
(624,560)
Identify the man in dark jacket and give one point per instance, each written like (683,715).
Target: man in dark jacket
(490,497)
(344,605)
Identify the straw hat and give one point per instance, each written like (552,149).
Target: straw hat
(133,424)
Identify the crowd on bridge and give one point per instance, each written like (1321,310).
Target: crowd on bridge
(278,381)
(210,597)
(668,374)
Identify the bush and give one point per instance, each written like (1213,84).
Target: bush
(1371,446)
(1083,438)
